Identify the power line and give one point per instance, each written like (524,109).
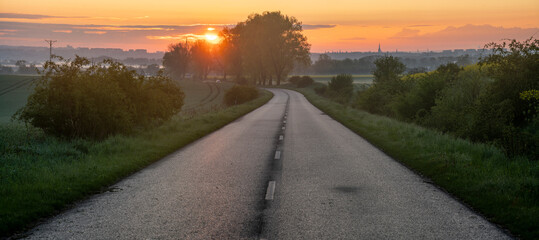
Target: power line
(50,48)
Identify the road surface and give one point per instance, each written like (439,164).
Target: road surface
(284,171)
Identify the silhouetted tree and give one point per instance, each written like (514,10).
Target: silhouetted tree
(176,60)
(271,42)
(201,54)
(228,55)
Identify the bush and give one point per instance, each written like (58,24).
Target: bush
(341,88)
(239,94)
(79,100)
(305,81)
(294,79)
(455,104)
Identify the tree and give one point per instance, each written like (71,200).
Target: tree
(228,55)
(387,86)
(271,42)
(324,64)
(388,70)
(201,55)
(176,60)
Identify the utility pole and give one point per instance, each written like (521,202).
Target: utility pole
(50,48)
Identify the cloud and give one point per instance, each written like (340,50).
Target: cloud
(95,32)
(41,27)
(62,31)
(177,37)
(30,16)
(317,26)
(89,35)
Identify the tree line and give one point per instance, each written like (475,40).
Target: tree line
(325,65)
(261,50)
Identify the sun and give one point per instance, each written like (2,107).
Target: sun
(212,38)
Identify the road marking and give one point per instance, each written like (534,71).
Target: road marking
(281,138)
(277,155)
(270,191)
(285,116)
(284,121)
(283,128)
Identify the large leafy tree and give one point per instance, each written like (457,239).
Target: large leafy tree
(228,55)
(271,43)
(176,60)
(202,57)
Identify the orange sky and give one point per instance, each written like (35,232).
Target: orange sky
(335,25)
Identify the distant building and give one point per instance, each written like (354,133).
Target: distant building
(379,49)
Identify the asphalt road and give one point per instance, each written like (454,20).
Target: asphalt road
(284,171)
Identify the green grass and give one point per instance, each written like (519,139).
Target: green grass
(505,190)
(40,174)
(203,95)
(14,91)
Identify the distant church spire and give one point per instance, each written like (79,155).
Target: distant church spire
(379,49)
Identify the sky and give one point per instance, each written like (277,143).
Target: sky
(330,25)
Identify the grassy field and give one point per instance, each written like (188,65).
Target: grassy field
(41,175)
(505,190)
(203,96)
(14,91)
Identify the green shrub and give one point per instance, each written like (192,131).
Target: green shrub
(341,88)
(455,104)
(79,100)
(304,82)
(239,94)
(294,79)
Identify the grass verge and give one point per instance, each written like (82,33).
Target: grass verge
(40,175)
(504,190)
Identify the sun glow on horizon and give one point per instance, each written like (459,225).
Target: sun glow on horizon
(212,38)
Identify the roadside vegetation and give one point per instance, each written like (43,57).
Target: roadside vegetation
(45,167)
(239,94)
(301,82)
(472,131)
